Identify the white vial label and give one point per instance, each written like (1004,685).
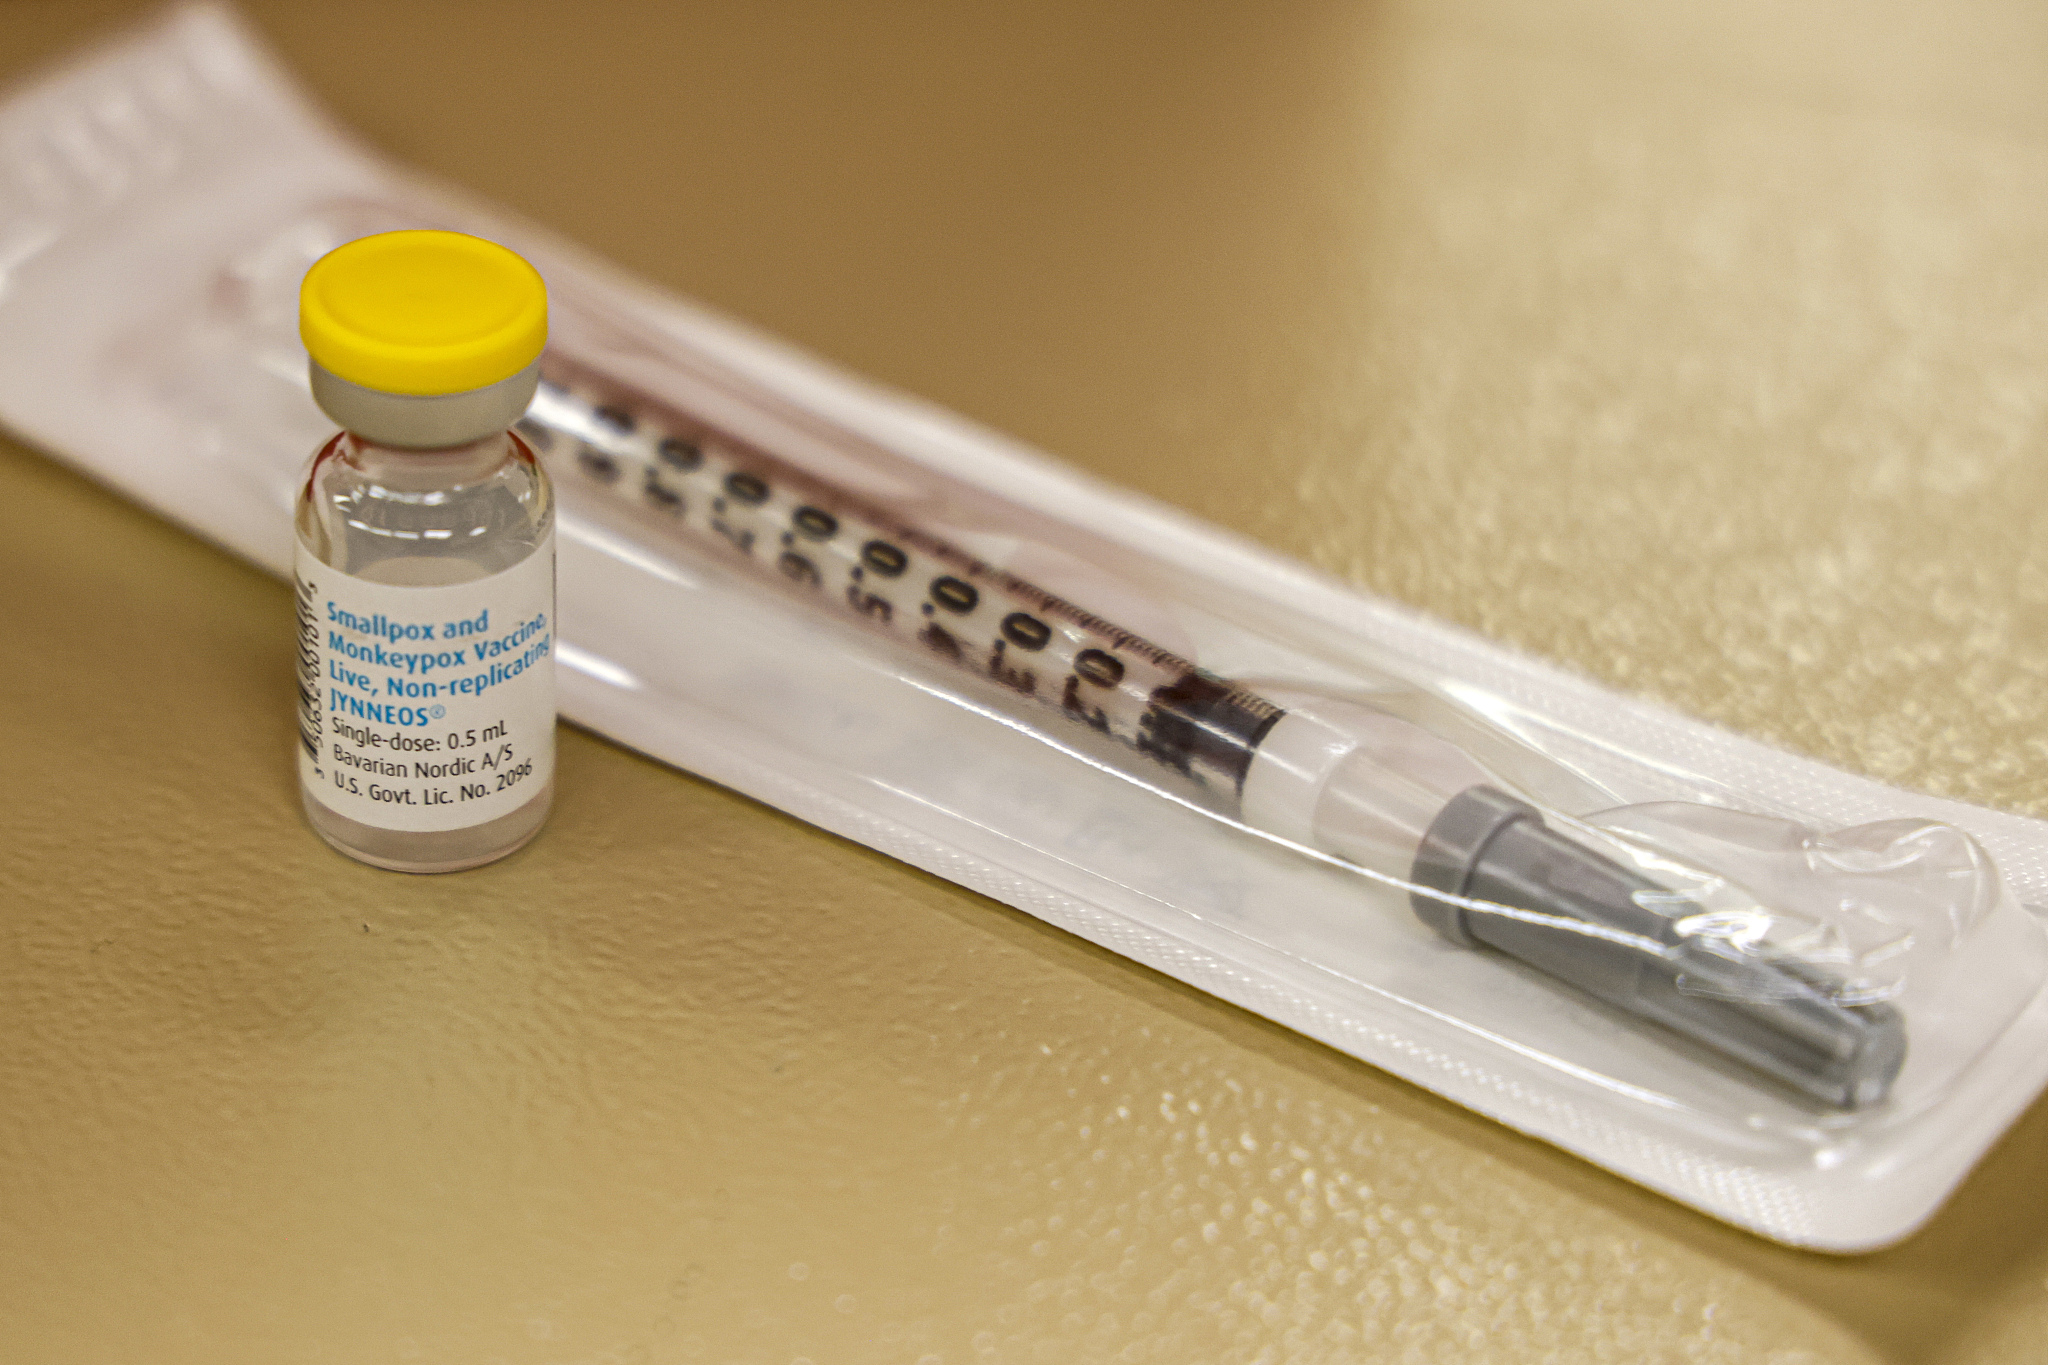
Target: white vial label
(429,708)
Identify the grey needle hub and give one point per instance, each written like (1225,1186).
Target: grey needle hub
(1585,925)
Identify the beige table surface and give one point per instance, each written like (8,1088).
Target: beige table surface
(1703,348)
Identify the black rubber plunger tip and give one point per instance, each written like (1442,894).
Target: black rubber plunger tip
(1490,872)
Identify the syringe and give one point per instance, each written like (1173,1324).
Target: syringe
(1348,780)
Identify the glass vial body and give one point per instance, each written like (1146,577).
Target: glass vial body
(426,603)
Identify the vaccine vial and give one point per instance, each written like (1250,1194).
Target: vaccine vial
(425,564)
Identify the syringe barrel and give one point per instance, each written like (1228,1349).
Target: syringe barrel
(1352,780)
(1490,872)
(862,563)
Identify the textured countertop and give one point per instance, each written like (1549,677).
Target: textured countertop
(1700,349)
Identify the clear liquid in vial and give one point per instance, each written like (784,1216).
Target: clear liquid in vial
(427,518)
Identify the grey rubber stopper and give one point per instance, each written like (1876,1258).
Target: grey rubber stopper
(423,421)
(1486,846)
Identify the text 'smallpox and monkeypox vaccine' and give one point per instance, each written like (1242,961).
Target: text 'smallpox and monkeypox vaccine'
(425,567)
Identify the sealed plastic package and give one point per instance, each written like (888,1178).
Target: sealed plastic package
(1790,997)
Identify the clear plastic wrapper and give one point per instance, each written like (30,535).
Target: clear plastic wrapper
(1791,997)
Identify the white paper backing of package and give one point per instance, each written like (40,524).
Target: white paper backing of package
(158,202)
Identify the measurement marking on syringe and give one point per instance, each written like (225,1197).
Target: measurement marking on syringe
(904,580)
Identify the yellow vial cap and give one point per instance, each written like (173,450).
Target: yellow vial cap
(423,312)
